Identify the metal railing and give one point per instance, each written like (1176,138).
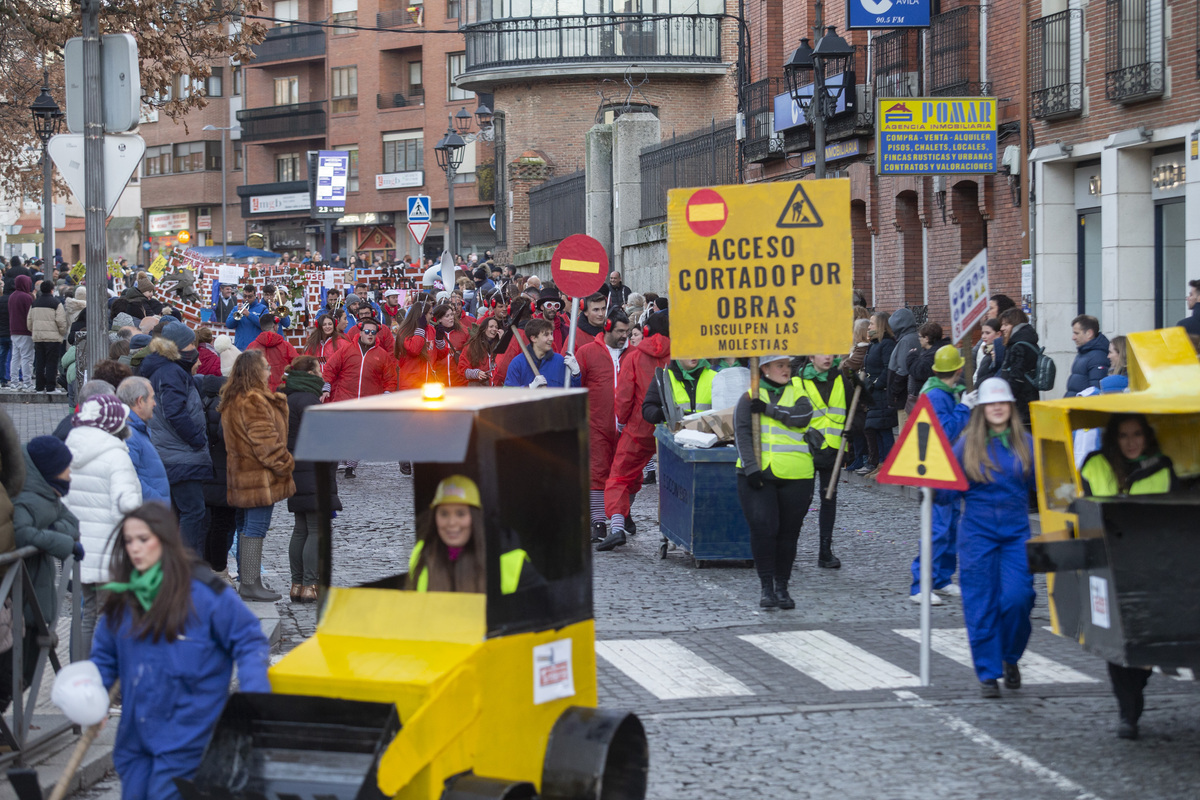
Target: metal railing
(557,209)
(761,142)
(601,38)
(17,586)
(398,100)
(954,53)
(705,158)
(396,18)
(1132,61)
(895,60)
(290,41)
(1056,65)
(295,121)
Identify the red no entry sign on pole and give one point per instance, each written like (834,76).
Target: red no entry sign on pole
(579,265)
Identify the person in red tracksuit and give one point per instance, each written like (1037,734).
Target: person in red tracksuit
(325,340)
(636,443)
(520,312)
(477,364)
(359,369)
(278,351)
(600,363)
(385,338)
(419,345)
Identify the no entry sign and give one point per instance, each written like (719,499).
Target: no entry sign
(579,265)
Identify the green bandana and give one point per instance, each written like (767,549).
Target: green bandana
(693,374)
(810,372)
(144,585)
(303,382)
(937,383)
(1001,435)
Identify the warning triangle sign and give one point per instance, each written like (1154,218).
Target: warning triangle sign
(923,456)
(799,211)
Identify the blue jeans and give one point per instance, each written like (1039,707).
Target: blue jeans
(5,354)
(253,522)
(188,499)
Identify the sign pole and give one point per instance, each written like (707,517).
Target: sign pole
(926,577)
(95,255)
(571,341)
(755,419)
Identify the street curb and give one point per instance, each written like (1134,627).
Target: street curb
(268,615)
(52,760)
(32,397)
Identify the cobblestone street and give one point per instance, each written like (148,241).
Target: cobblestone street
(820,702)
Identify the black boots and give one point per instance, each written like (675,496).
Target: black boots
(989,689)
(769,598)
(825,558)
(785,600)
(1012,676)
(599,531)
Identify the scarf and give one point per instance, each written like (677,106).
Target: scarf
(937,383)
(690,375)
(59,485)
(773,389)
(1001,435)
(810,372)
(303,382)
(143,585)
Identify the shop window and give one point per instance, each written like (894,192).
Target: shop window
(403,151)
(456,64)
(287,167)
(287,90)
(345,89)
(352,178)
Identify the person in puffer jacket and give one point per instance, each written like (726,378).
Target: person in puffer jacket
(47,323)
(223,344)
(277,350)
(104,487)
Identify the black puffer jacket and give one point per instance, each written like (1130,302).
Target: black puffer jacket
(1019,361)
(215,488)
(880,414)
(305,472)
(920,365)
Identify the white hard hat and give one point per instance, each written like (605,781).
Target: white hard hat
(764,360)
(995,390)
(79,692)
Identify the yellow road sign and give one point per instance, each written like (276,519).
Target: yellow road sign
(923,456)
(760,269)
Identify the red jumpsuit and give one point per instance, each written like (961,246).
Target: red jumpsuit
(420,357)
(350,373)
(636,443)
(600,379)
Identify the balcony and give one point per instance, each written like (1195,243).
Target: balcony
(954,54)
(295,121)
(289,42)
(1056,65)
(761,141)
(400,18)
(388,100)
(590,41)
(1133,63)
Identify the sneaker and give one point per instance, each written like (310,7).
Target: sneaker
(950,590)
(989,689)
(406,468)
(934,600)
(599,531)
(1127,730)
(58,391)
(864,470)
(873,473)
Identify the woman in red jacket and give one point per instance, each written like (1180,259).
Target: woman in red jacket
(420,345)
(325,340)
(520,311)
(477,365)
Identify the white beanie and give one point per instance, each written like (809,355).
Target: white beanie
(222,343)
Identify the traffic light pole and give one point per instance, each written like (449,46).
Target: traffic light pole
(95,250)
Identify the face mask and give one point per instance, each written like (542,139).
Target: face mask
(189,358)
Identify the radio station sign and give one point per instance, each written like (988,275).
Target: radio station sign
(935,135)
(888,13)
(761,269)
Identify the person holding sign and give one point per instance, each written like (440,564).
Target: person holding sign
(996,455)
(775,486)
(825,388)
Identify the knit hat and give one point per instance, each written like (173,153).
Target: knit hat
(123,320)
(139,341)
(764,360)
(145,285)
(353,298)
(103,411)
(222,343)
(179,333)
(49,455)
(81,293)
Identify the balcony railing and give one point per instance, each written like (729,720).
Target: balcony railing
(399,100)
(396,18)
(954,54)
(290,41)
(761,141)
(1133,66)
(706,158)
(1056,65)
(557,209)
(896,61)
(295,121)
(617,38)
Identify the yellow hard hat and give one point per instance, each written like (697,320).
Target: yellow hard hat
(947,359)
(457,489)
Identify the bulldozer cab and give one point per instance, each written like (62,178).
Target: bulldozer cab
(1120,568)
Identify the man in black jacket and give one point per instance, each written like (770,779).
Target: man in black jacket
(615,291)
(1191,323)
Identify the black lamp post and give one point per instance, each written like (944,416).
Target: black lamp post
(47,117)
(812,67)
(450,150)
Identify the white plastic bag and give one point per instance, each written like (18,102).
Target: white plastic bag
(80,694)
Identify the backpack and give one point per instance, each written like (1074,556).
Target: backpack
(1041,377)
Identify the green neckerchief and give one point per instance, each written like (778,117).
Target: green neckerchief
(1001,435)
(303,382)
(937,383)
(691,375)
(810,372)
(144,585)
(772,388)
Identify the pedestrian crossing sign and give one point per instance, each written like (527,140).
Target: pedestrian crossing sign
(418,208)
(923,456)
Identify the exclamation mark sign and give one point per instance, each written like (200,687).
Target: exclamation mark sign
(922,445)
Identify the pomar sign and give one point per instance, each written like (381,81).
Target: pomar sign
(761,269)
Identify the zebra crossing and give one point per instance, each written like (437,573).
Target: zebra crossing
(669,670)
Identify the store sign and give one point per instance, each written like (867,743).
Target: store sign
(888,13)
(832,152)
(400,180)
(204,222)
(370,218)
(166,221)
(789,114)
(936,136)
(275,203)
(333,175)
(1168,176)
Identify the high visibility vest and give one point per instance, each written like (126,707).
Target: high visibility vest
(784,449)
(829,418)
(704,386)
(511,564)
(1103,481)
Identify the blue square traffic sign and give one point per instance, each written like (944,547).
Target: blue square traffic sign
(418,208)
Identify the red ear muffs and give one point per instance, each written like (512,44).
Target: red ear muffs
(646,331)
(607,324)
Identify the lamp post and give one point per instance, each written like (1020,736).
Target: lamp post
(224,174)
(812,67)
(47,117)
(450,150)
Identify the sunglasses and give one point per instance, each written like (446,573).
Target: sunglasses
(369,332)
(551,305)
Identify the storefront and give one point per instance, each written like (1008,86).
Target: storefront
(280,219)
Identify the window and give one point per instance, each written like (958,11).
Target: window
(345,11)
(352,178)
(287,167)
(466,170)
(237,155)
(157,160)
(950,44)
(415,87)
(286,11)
(456,64)
(1133,61)
(452,7)
(1056,64)
(403,151)
(287,91)
(185,86)
(895,64)
(345,89)
(237,77)
(214,82)
(196,156)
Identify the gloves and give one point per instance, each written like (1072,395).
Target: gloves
(538,382)
(970,399)
(620,428)
(572,364)
(758,406)
(77,551)
(755,479)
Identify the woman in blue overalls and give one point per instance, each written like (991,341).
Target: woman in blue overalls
(997,588)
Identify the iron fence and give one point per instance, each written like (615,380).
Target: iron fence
(1056,65)
(896,63)
(705,158)
(557,209)
(1132,61)
(18,733)
(761,141)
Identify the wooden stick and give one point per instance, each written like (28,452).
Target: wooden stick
(85,742)
(837,465)
(755,419)
(525,349)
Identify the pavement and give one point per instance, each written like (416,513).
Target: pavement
(818,702)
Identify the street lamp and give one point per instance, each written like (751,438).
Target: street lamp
(812,67)
(450,150)
(224,196)
(47,117)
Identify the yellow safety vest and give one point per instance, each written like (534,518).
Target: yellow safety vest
(784,449)
(704,386)
(829,418)
(1103,481)
(511,564)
